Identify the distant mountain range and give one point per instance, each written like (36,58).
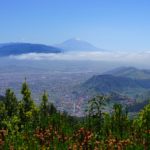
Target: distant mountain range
(77,45)
(130,72)
(24,48)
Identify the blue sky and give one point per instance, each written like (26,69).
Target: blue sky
(111,24)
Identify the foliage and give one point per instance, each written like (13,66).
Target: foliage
(25,125)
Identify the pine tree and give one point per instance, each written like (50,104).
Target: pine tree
(27,100)
(44,104)
(27,106)
(11,103)
(46,107)
(96,106)
(119,120)
(2,113)
(51,109)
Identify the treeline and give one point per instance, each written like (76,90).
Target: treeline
(26,125)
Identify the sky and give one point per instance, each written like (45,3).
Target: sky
(122,25)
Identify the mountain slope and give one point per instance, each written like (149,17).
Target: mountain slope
(109,83)
(130,72)
(4,44)
(24,48)
(77,45)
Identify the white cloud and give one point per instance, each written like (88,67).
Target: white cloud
(133,57)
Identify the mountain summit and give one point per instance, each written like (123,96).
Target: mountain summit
(130,72)
(76,44)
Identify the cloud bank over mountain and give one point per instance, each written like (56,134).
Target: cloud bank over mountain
(72,49)
(130,57)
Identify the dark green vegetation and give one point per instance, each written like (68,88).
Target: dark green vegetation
(24,48)
(109,83)
(127,81)
(25,125)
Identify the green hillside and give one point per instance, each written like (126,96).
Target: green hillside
(109,83)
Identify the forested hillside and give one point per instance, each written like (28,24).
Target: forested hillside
(25,125)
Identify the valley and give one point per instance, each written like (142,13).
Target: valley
(71,84)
